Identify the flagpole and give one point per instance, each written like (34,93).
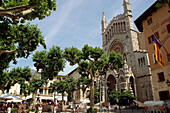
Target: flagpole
(162,45)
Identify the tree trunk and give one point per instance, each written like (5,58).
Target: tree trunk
(92,93)
(3,91)
(34,99)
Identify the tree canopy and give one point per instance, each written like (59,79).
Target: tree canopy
(121,98)
(27,9)
(49,62)
(18,39)
(16,75)
(92,61)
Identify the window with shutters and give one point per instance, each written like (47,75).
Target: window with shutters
(149,21)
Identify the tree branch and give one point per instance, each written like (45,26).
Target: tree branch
(16,16)
(10,51)
(17,8)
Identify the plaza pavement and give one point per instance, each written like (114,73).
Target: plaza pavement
(122,111)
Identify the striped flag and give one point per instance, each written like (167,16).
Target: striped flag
(158,55)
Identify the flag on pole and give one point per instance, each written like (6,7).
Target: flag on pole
(158,55)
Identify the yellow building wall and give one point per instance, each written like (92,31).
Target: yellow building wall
(160,20)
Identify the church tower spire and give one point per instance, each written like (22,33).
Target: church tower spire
(128,14)
(104,23)
(127,8)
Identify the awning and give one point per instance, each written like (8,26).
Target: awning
(9,96)
(15,100)
(153,103)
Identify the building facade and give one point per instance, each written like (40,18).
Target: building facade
(44,94)
(119,35)
(156,21)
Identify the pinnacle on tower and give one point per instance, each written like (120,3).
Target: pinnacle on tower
(104,22)
(127,1)
(127,8)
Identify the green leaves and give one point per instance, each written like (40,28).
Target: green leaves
(161,2)
(41,8)
(115,60)
(34,84)
(124,98)
(16,75)
(50,62)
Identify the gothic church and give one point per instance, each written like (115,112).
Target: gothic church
(119,35)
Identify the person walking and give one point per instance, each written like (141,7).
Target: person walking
(22,110)
(165,105)
(40,109)
(77,108)
(55,109)
(9,109)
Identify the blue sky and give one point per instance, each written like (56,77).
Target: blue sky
(78,22)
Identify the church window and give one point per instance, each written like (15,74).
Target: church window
(124,26)
(161,77)
(168,28)
(139,62)
(149,21)
(144,60)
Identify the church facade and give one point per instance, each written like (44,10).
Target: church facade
(119,35)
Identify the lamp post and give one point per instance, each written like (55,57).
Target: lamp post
(100,80)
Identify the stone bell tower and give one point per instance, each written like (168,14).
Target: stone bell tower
(119,35)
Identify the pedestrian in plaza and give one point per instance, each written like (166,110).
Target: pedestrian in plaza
(85,109)
(55,109)
(40,109)
(165,105)
(9,109)
(107,106)
(77,108)
(22,110)
(115,109)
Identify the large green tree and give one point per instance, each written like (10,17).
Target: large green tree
(16,38)
(93,62)
(83,83)
(68,85)
(33,85)
(71,86)
(16,75)
(50,63)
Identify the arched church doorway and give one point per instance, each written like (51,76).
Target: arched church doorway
(132,85)
(111,83)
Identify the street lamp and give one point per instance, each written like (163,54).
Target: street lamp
(100,82)
(168,82)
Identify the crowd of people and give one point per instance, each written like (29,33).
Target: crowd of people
(10,107)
